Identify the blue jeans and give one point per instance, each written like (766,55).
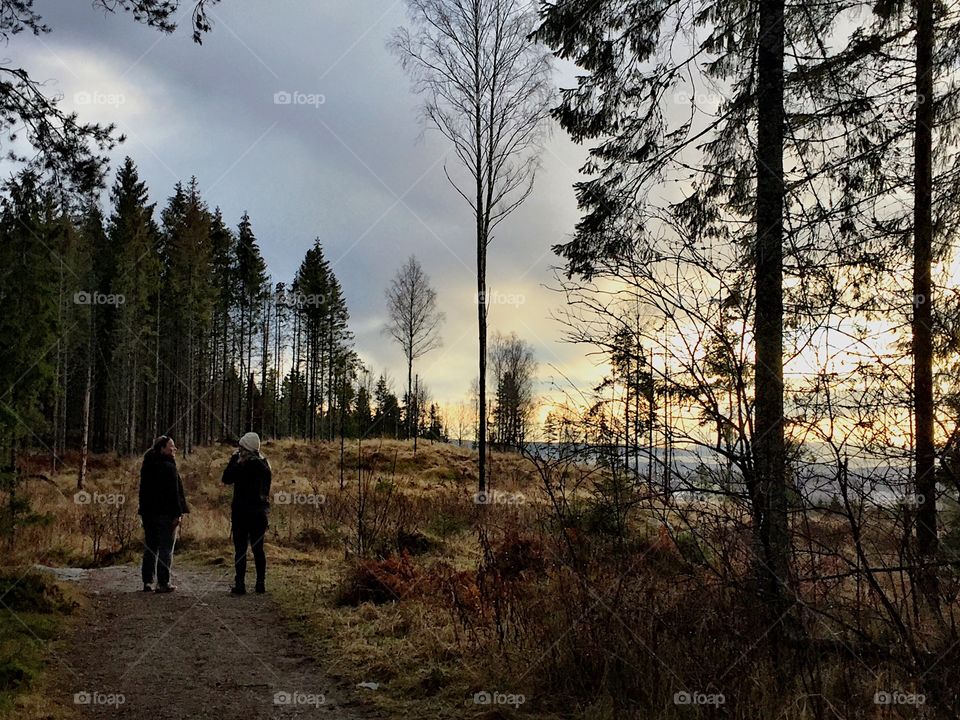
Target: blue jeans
(159,536)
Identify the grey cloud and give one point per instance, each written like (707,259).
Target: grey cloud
(333,171)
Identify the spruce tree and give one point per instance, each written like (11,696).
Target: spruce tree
(251,284)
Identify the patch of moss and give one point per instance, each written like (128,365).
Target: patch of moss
(33,610)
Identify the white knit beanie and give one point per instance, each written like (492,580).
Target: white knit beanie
(250,442)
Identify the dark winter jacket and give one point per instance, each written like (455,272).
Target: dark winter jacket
(251,478)
(161,490)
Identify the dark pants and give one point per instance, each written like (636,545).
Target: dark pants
(159,536)
(249,529)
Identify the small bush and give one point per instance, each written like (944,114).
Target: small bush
(33,593)
(413,542)
(14,674)
(316,538)
(445,525)
(378,581)
(39,604)
(513,556)
(690,548)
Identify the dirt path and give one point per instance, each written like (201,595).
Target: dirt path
(196,653)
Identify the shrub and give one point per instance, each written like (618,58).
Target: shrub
(316,538)
(413,542)
(445,525)
(378,581)
(33,593)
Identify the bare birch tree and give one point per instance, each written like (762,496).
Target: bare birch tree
(488,90)
(414,320)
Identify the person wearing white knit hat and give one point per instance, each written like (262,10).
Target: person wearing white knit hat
(251,443)
(250,474)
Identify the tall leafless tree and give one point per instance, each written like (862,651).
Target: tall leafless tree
(414,320)
(487,89)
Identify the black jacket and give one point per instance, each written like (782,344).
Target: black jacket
(161,490)
(251,480)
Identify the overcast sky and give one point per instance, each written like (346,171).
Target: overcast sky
(350,165)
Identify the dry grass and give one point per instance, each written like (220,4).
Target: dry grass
(413,649)
(489,599)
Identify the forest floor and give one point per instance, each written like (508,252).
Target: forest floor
(196,653)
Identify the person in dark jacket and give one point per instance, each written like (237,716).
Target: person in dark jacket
(249,473)
(162,504)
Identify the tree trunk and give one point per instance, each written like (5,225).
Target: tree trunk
(223,375)
(768,440)
(926,486)
(409,385)
(60,379)
(132,412)
(82,472)
(249,420)
(156,372)
(279,375)
(264,361)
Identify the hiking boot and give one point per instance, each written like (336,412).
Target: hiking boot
(261,588)
(238,590)
(165,588)
(147,588)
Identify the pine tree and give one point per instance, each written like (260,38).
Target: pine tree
(252,284)
(186,317)
(386,419)
(132,236)
(324,338)
(363,415)
(28,294)
(733,187)
(435,429)
(223,265)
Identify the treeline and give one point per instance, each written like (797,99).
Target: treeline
(125,323)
